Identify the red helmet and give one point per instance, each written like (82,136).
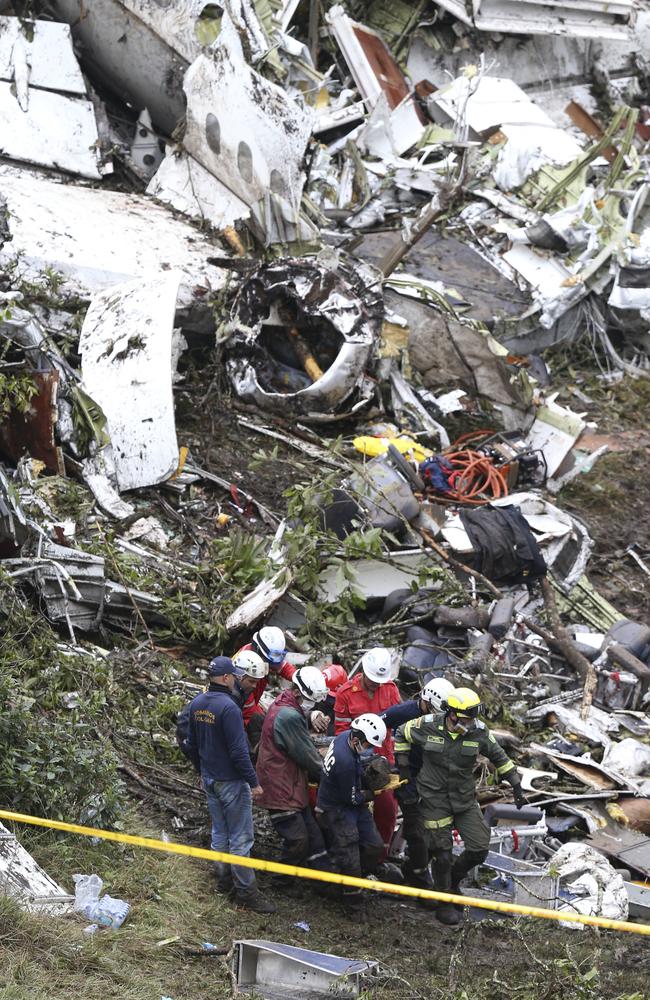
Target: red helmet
(335,676)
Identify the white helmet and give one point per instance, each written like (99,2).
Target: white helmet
(311,683)
(371,727)
(377,665)
(436,692)
(251,663)
(270,643)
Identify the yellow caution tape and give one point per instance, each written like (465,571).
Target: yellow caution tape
(321,876)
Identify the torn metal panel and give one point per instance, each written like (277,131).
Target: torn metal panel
(56,131)
(46,46)
(46,119)
(71,584)
(334,305)
(589,772)
(554,432)
(185,185)
(13,524)
(98,238)
(488,104)
(26,882)
(374,70)
(373,578)
(126,351)
(131,57)
(598,19)
(269,969)
(631,289)
(245,130)
(32,432)
(260,601)
(147,147)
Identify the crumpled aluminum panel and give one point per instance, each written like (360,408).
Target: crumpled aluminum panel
(347,298)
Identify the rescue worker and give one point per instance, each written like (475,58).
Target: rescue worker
(451,741)
(218,748)
(254,669)
(269,643)
(356,845)
(287,761)
(372,691)
(409,760)
(321,719)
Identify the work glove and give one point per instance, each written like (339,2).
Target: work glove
(520,798)
(393,782)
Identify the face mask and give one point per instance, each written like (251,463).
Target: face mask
(308,704)
(365,756)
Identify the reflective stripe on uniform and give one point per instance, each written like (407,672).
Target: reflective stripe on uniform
(401,747)
(344,718)
(505,768)
(438,824)
(408,727)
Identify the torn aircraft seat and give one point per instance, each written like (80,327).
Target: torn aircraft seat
(46,116)
(302,335)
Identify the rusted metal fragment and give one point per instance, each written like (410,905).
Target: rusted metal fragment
(33,433)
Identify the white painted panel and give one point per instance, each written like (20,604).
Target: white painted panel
(126,351)
(55,131)
(183,183)
(50,54)
(98,238)
(242,128)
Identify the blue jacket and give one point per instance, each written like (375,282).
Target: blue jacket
(397,715)
(217,744)
(340,784)
(394,717)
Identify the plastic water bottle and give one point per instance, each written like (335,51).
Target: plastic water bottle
(107,911)
(110,912)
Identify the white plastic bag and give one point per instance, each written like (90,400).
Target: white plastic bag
(107,911)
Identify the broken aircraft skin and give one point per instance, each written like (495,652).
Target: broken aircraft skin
(325,156)
(334,303)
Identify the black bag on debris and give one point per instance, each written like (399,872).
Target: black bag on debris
(505,548)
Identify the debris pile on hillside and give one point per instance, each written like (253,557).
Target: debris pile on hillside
(369,233)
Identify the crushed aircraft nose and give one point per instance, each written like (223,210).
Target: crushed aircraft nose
(302,334)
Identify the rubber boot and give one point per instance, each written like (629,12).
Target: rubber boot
(252,899)
(461,866)
(419,878)
(225,885)
(446,913)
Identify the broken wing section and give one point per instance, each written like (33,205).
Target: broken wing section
(126,357)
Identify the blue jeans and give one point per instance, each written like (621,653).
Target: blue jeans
(231,808)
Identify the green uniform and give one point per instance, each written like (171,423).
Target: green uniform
(446,785)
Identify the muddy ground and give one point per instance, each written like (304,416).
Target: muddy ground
(489,957)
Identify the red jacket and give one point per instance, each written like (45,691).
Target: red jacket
(251,706)
(352,700)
